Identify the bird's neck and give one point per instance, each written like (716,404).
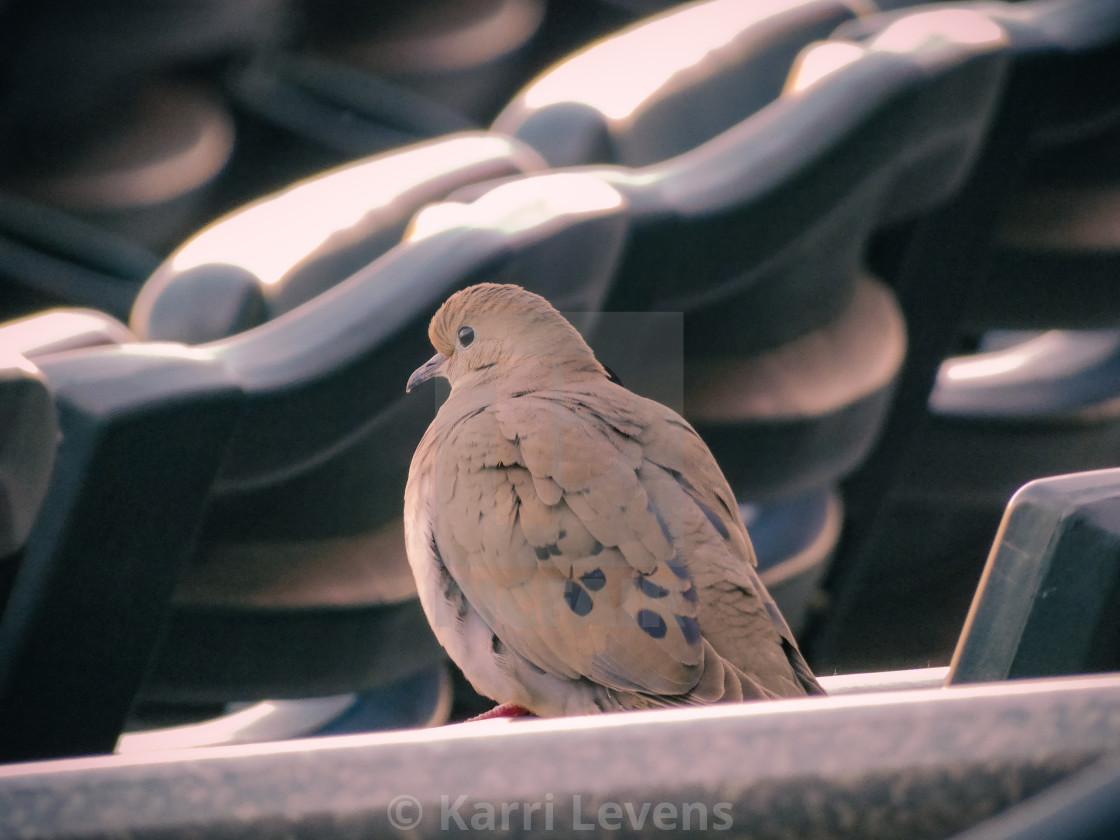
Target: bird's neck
(517,375)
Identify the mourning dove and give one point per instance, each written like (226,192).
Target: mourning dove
(575,546)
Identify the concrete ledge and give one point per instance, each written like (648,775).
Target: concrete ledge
(915,764)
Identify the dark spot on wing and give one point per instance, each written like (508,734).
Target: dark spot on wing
(652,508)
(691,595)
(690,627)
(594,580)
(652,623)
(595,549)
(677,566)
(435,553)
(495,643)
(649,588)
(451,591)
(694,494)
(543,552)
(450,587)
(713,517)
(576,597)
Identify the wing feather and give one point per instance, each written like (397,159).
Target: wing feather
(559,547)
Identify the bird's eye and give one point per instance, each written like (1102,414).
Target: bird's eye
(466,336)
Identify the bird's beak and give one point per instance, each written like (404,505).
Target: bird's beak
(429,370)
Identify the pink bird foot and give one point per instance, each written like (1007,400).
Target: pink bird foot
(503,710)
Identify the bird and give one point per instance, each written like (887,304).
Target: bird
(575,546)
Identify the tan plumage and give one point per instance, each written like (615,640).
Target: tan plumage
(576,547)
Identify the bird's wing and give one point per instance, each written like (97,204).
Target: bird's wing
(544,520)
(740,618)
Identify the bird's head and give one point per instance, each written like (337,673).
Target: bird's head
(491,330)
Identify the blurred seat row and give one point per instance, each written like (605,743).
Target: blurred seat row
(809,225)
